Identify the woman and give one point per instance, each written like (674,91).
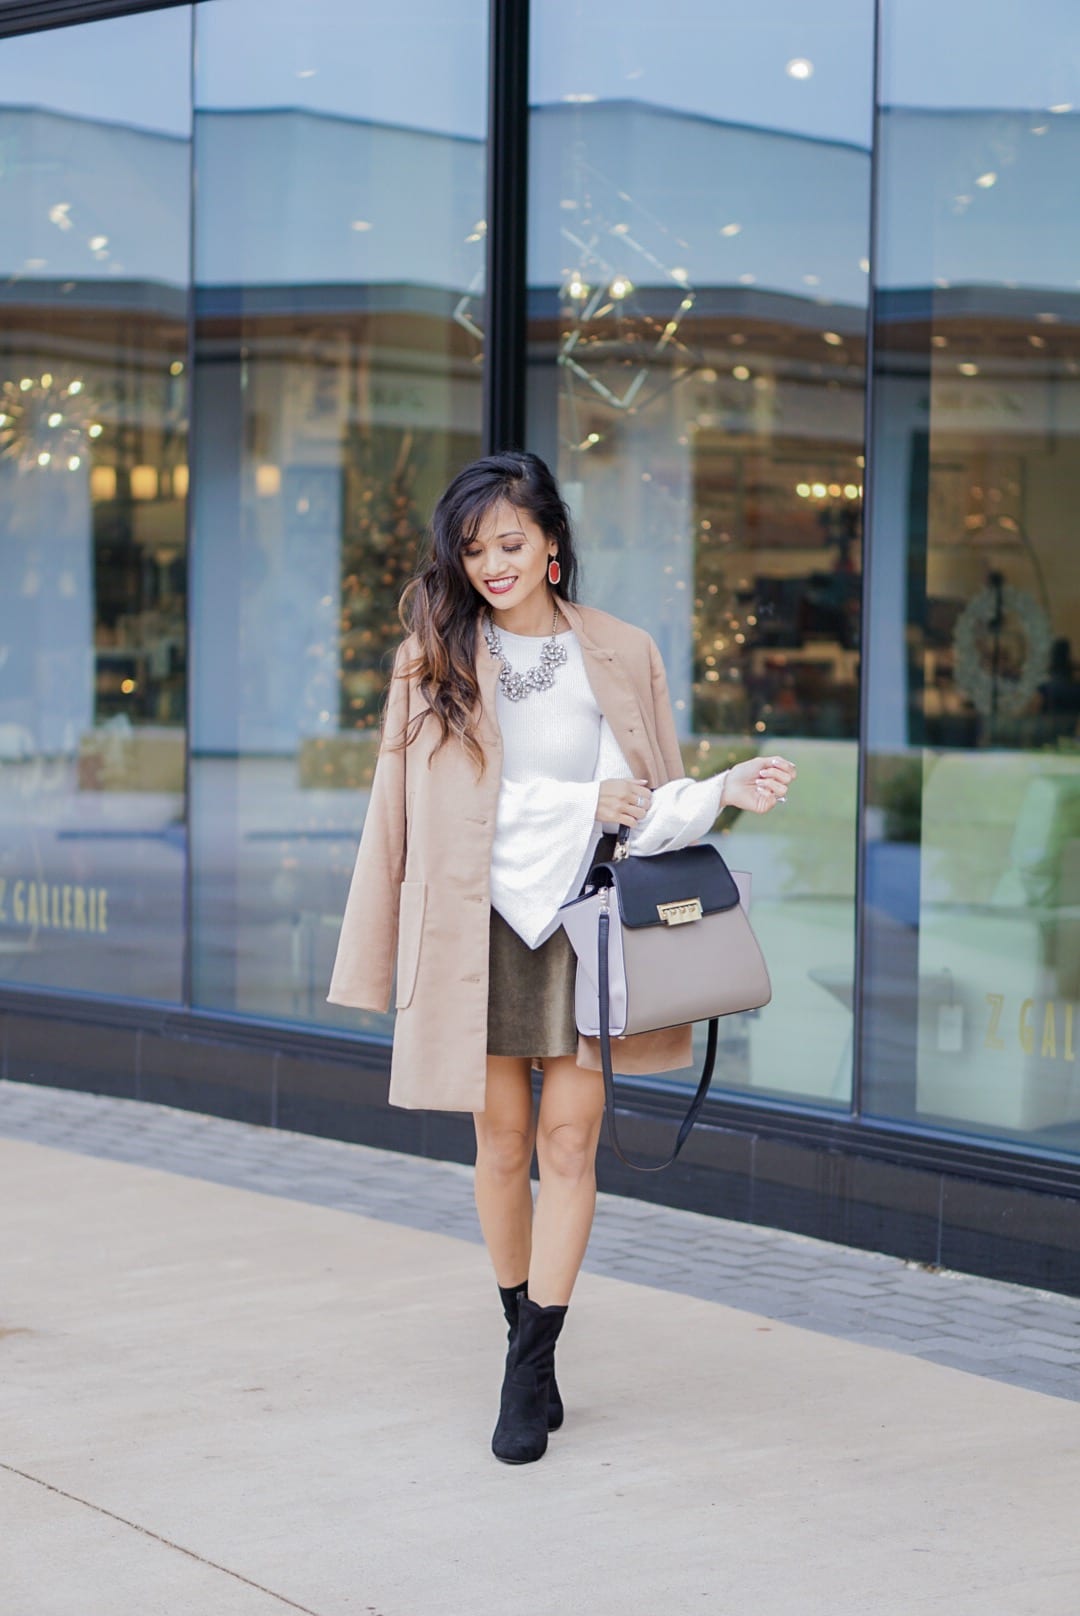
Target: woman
(521,731)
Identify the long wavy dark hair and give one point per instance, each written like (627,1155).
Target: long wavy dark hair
(440,606)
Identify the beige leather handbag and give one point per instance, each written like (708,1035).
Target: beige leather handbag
(661,941)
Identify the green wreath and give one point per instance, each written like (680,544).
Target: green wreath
(1004,693)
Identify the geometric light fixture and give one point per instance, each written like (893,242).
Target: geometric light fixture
(465,309)
(622,307)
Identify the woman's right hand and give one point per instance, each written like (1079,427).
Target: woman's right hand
(622,802)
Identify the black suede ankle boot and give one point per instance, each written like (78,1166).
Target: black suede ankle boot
(522,1432)
(511,1296)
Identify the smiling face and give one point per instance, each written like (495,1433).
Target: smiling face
(506,562)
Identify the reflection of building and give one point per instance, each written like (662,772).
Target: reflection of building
(262,323)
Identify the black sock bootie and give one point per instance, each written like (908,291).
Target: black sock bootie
(522,1432)
(511,1296)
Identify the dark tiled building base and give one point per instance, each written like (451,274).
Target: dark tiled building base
(950,1205)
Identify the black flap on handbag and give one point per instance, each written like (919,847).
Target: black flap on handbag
(646,884)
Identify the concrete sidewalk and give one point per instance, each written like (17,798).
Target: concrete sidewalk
(218,1401)
(1026,1337)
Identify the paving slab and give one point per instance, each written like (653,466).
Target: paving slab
(302,1397)
(63,1555)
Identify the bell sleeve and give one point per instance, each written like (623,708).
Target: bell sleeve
(680,813)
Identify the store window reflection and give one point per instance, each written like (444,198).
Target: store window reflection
(94,257)
(339,250)
(973,872)
(698,266)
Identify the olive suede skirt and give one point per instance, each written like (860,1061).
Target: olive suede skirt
(530,994)
(531,990)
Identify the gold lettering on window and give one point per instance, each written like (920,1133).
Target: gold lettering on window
(1049,1035)
(1027,1031)
(53,906)
(1049,1024)
(993,1039)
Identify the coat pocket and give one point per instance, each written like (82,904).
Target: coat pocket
(411,908)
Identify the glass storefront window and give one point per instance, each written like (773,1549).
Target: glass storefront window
(698,268)
(339,252)
(973,778)
(95,131)
(285,247)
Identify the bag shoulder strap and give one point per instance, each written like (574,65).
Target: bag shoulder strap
(609,1080)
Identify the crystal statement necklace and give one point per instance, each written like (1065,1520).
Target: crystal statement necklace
(516,686)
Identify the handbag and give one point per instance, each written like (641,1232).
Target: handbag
(662,940)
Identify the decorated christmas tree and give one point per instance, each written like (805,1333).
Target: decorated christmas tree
(383,529)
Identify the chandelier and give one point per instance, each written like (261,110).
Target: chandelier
(46,424)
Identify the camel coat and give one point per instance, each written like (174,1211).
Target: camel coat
(419,896)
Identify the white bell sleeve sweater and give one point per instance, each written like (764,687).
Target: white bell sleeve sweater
(557,747)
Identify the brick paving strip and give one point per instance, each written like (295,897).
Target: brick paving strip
(1026,1337)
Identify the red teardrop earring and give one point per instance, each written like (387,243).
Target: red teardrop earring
(554,571)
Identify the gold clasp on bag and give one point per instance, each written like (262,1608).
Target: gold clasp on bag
(677,914)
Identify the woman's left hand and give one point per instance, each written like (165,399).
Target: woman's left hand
(758,784)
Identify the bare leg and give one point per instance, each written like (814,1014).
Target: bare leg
(505,1136)
(571,1108)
